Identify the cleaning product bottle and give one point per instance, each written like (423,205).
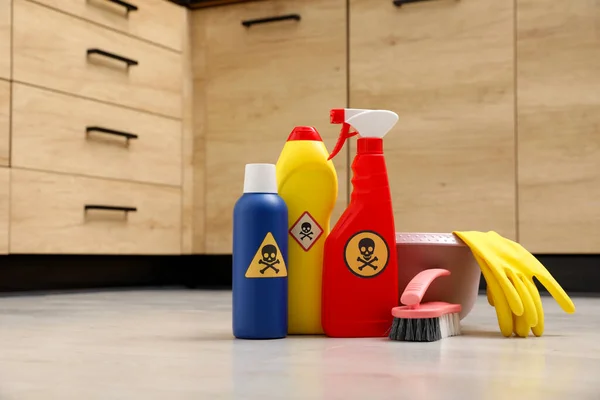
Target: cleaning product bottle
(307,182)
(360,273)
(260,251)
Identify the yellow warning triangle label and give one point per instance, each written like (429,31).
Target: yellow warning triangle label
(268,261)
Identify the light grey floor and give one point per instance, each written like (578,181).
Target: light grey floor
(177,345)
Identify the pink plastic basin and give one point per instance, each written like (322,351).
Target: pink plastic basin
(420,251)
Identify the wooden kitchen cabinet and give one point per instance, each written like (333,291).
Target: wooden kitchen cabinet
(558,97)
(95,139)
(5,38)
(5,102)
(447,68)
(253,84)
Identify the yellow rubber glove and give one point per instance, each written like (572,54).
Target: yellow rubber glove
(508,321)
(508,269)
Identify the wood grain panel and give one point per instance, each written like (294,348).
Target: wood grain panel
(4,209)
(158,21)
(558,57)
(199,77)
(49,133)
(47,216)
(446,67)
(4,123)
(50,51)
(258,84)
(5,38)
(192,221)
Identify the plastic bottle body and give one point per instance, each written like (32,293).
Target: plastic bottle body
(360,275)
(308,184)
(259,301)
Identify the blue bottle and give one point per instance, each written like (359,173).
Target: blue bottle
(260,255)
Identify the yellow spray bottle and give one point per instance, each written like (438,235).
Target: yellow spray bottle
(308,184)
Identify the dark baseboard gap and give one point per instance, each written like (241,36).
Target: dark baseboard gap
(577,274)
(74,272)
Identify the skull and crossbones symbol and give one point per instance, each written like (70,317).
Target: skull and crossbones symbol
(306,231)
(366,247)
(269,258)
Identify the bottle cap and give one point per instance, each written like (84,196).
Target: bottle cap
(304,133)
(260,178)
(369,146)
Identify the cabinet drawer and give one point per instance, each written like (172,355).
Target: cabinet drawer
(50,132)
(47,215)
(157,21)
(4,123)
(51,50)
(5,33)
(4,206)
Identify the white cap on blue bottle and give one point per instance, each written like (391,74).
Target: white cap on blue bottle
(260,178)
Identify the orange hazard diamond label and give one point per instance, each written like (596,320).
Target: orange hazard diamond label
(306,231)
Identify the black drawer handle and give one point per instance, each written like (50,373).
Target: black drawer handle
(128,6)
(399,3)
(248,23)
(88,207)
(130,62)
(126,135)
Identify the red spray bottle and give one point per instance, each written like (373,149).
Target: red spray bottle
(360,273)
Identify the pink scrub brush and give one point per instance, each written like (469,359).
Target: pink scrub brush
(427,322)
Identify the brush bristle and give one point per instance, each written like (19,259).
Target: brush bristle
(425,329)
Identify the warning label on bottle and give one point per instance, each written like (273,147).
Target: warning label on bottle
(366,254)
(306,231)
(268,261)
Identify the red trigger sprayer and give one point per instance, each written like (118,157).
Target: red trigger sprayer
(337,116)
(360,272)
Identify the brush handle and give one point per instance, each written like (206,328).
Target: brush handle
(416,288)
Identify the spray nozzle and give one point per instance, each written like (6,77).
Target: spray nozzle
(344,134)
(370,123)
